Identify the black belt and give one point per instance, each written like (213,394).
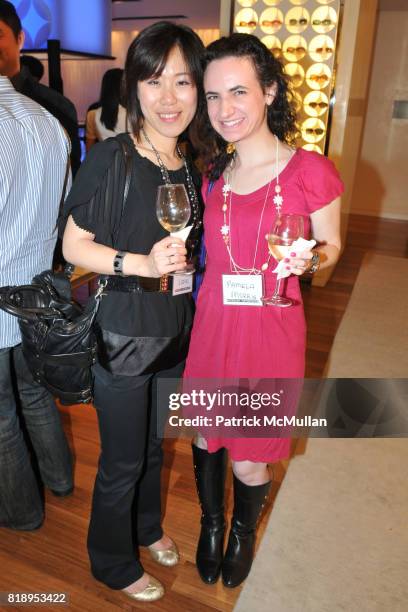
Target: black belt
(134,284)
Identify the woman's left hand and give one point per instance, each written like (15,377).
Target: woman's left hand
(298,263)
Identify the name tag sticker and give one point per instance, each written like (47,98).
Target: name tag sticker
(242,289)
(182,283)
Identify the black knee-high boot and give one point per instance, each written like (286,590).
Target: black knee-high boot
(248,503)
(210,471)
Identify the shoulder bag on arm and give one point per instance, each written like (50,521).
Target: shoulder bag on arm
(57,336)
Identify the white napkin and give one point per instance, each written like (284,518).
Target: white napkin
(298,246)
(183,233)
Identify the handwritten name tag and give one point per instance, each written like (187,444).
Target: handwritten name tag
(182,283)
(242,289)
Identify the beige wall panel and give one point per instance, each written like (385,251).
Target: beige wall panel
(208,36)
(381,186)
(82,78)
(225,17)
(82,82)
(355,51)
(348,169)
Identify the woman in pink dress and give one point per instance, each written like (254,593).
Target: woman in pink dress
(249,183)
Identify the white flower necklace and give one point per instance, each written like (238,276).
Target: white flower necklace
(226,227)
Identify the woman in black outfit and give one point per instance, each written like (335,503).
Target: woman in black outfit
(144,329)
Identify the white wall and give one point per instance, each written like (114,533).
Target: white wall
(355,50)
(381,181)
(82,78)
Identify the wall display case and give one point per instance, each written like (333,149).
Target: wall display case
(302,34)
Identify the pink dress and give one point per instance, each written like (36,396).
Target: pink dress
(255,341)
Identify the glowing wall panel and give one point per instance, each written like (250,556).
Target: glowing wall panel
(80,25)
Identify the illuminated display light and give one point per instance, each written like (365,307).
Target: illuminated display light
(271,20)
(324,19)
(296,33)
(316,103)
(313,147)
(246,21)
(313,130)
(294,48)
(318,76)
(80,26)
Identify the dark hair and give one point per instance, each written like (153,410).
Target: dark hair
(110,97)
(8,14)
(34,65)
(281,116)
(147,56)
(93,106)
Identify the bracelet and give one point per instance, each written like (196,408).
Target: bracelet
(314,263)
(118,263)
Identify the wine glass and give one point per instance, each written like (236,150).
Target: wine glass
(173,211)
(286,229)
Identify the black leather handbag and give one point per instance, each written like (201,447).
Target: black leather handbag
(57,335)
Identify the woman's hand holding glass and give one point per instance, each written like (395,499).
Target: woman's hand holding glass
(166,257)
(298,263)
(286,230)
(173,212)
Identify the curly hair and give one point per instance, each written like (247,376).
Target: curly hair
(281,115)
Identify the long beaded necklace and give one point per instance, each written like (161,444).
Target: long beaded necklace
(191,190)
(226,227)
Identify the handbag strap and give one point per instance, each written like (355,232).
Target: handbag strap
(127,154)
(12,307)
(56,281)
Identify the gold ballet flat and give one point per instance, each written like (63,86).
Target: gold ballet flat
(169,556)
(153,591)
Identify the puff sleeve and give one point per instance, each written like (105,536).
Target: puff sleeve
(95,200)
(321,182)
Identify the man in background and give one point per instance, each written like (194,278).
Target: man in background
(34,154)
(11,42)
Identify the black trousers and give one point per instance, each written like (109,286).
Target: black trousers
(126,506)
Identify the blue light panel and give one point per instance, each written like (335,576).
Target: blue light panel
(80,25)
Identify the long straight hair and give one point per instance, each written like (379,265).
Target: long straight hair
(147,57)
(110,97)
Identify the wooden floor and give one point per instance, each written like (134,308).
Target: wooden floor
(54,558)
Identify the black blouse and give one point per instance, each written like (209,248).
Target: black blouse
(140,332)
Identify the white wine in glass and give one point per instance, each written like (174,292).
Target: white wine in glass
(278,247)
(173,210)
(286,229)
(173,207)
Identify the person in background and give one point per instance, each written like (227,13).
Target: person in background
(109,118)
(34,65)
(11,42)
(144,329)
(34,155)
(254,175)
